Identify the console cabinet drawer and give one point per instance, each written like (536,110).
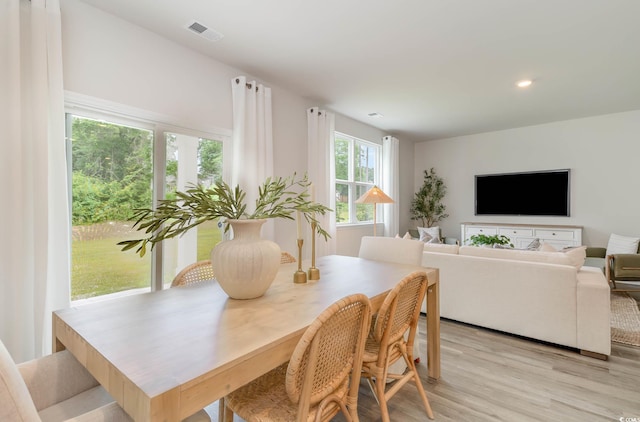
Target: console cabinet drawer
(555,234)
(489,231)
(516,232)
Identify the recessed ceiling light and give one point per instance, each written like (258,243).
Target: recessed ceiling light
(524,83)
(375,115)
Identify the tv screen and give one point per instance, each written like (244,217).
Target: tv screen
(531,193)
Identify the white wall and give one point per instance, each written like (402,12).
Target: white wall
(602,153)
(110,59)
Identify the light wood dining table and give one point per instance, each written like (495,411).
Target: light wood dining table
(164,355)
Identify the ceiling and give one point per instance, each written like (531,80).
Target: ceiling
(433,68)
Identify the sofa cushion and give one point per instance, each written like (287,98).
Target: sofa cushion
(517,255)
(625,267)
(441,248)
(591,261)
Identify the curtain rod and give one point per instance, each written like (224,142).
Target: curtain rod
(248,85)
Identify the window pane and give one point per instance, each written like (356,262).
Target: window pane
(364,212)
(357,170)
(342,158)
(111,177)
(365,162)
(342,203)
(190,161)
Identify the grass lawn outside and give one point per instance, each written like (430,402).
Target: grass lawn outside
(99,267)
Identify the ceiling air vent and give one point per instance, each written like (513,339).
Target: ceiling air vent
(205,32)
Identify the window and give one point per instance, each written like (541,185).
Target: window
(357,164)
(190,160)
(117,166)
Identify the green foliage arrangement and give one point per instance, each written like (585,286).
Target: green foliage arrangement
(427,205)
(277,198)
(483,239)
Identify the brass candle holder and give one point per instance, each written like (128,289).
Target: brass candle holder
(300,276)
(314,273)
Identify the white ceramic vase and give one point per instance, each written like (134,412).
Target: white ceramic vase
(246,265)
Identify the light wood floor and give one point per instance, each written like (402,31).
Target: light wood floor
(490,376)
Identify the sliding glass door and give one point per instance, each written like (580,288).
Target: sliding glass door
(113,170)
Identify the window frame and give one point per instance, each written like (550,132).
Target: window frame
(352,183)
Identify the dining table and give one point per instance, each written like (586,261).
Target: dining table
(166,354)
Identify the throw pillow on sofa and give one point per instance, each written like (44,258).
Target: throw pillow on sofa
(534,245)
(545,247)
(429,234)
(577,254)
(622,244)
(407,235)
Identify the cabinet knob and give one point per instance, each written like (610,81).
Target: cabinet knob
(553,234)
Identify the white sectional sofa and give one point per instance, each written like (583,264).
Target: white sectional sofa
(548,296)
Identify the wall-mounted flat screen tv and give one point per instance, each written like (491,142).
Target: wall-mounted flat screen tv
(528,193)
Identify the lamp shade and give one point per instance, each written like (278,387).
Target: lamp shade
(374,196)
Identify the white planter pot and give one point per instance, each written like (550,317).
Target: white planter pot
(246,265)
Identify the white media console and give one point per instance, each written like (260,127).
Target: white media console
(523,234)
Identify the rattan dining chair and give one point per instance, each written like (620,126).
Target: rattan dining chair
(322,377)
(193,273)
(287,258)
(398,251)
(387,342)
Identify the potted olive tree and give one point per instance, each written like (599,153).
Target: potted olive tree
(427,206)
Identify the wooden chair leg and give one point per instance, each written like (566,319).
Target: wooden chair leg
(382,399)
(423,394)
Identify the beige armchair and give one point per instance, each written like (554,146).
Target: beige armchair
(57,388)
(53,388)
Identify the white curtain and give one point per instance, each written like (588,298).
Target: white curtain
(34,216)
(252,152)
(321,171)
(391,184)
